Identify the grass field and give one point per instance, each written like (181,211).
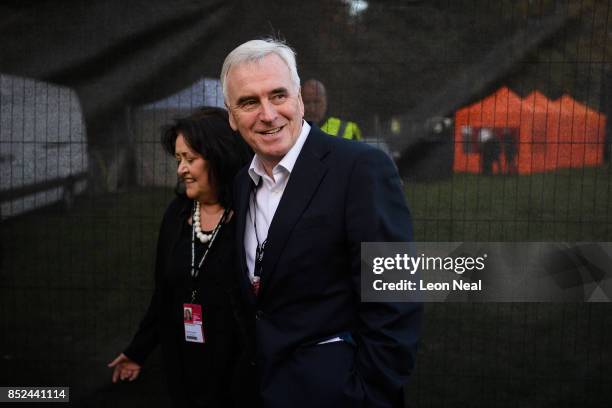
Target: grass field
(74,286)
(528,355)
(568,205)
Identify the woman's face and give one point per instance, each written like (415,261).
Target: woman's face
(193,170)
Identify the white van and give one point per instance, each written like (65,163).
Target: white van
(43,146)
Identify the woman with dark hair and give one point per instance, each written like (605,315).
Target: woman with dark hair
(192,314)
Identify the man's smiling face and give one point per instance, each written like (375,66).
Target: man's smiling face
(265,107)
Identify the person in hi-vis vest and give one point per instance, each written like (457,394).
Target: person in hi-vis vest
(315,107)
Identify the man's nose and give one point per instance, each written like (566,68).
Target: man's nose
(268,112)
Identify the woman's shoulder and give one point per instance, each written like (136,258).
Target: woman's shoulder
(177,211)
(180,205)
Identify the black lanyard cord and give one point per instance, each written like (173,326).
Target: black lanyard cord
(196,271)
(259,250)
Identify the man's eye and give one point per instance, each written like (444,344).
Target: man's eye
(279,98)
(248,104)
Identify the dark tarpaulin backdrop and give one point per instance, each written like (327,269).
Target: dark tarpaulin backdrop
(413,59)
(117,53)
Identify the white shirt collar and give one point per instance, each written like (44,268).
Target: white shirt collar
(256,169)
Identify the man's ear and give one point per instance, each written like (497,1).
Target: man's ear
(300,103)
(232,121)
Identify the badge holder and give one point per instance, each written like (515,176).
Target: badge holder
(192,317)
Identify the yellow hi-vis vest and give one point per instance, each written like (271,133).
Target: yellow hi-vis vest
(336,127)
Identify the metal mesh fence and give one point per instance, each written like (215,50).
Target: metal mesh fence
(515,149)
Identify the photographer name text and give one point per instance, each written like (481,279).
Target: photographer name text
(409,285)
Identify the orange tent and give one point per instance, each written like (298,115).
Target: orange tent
(505,134)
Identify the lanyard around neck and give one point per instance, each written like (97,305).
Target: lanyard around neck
(261,246)
(196,271)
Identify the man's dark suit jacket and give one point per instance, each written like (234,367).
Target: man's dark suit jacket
(340,193)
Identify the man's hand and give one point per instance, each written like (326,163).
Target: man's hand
(124,369)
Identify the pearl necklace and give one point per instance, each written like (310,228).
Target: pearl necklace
(204,238)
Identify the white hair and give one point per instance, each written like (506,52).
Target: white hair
(256,50)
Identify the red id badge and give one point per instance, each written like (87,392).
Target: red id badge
(192,318)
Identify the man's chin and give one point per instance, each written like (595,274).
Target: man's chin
(277,149)
(272,156)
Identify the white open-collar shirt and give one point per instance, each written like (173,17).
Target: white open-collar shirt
(267,196)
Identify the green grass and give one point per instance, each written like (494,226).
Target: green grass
(569,205)
(508,355)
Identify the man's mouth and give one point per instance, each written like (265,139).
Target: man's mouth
(272,131)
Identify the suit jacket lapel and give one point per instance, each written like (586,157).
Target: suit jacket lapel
(305,178)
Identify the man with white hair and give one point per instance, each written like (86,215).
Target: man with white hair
(303,208)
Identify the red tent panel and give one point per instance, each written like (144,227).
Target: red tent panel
(533,134)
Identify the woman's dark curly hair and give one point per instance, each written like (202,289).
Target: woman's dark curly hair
(207,132)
